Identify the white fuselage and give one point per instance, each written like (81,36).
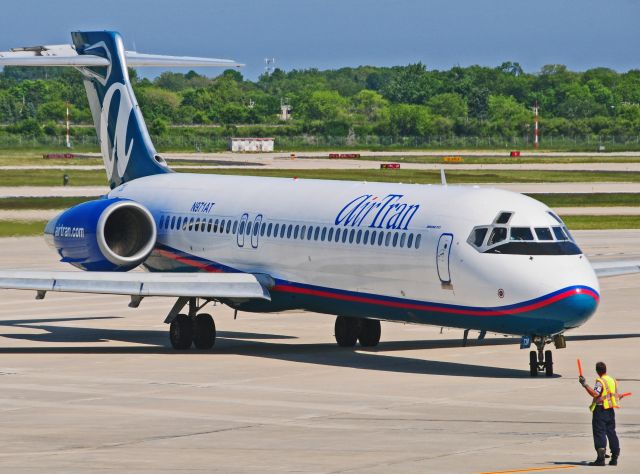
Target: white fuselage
(422,258)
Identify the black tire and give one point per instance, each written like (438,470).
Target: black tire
(181,332)
(533,364)
(204,336)
(548,363)
(369,333)
(347,331)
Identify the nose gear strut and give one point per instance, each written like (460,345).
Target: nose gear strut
(541,360)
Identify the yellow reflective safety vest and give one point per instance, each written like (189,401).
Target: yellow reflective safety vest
(609,396)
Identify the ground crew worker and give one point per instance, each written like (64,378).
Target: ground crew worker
(605,401)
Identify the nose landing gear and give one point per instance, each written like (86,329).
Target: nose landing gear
(541,360)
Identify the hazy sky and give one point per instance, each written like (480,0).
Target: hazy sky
(335,33)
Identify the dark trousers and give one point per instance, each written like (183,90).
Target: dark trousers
(604,427)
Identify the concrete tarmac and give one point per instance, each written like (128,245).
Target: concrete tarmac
(89,385)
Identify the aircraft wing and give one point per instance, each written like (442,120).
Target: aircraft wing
(610,268)
(238,286)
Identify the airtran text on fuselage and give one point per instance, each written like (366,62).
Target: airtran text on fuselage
(388,212)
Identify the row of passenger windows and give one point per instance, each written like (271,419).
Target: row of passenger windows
(291,231)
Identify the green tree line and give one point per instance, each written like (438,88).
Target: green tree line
(408,100)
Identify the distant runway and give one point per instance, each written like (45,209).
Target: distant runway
(91,385)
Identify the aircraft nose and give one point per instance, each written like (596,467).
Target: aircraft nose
(576,305)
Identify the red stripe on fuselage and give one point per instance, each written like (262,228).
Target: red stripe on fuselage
(189,261)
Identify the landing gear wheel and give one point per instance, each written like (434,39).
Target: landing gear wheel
(181,332)
(347,331)
(204,332)
(533,364)
(548,363)
(369,333)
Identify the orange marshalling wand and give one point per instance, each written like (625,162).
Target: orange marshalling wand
(579,368)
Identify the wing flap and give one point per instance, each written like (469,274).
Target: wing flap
(201,285)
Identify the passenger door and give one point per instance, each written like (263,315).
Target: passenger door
(442,258)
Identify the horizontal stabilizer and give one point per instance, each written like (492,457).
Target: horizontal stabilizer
(196,285)
(66,55)
(156,60)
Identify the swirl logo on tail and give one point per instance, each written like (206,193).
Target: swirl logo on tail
(120,151)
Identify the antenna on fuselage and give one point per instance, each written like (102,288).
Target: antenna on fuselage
(443,178)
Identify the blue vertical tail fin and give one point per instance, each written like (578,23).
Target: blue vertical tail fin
(126,147)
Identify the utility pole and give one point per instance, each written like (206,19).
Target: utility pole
(536,130)
(68,129)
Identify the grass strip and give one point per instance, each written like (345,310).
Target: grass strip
(47,177)
(30,203)
(21,228)
(601,222)
(588,199)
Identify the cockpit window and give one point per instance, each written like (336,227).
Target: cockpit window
(497,235)
(543,233)
(566,231)
(559,233)
(536,248)
(521,233)
(478,236)
(504,217)
(508,240)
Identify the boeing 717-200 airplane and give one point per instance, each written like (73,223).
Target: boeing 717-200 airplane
(454,256)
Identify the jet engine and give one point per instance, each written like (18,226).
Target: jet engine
(103,235)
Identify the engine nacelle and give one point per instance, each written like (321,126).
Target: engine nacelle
(103,235)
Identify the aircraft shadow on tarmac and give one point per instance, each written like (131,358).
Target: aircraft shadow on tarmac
(262,345)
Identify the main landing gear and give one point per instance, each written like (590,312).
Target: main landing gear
(192,329)
(348,331)
(541,360)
